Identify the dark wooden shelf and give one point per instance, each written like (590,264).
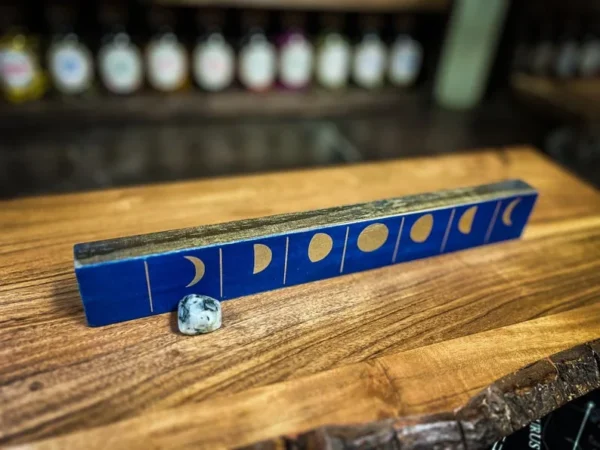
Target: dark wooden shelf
(344,5)
(563,99)
(199,105)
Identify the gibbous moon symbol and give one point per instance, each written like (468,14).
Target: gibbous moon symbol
(421,229)
(465,224)
(506,215)
(372,237)
(199,266)
(262,257)
(320,246)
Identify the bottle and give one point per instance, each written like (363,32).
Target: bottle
(544,50)
(21,77)
(257,59)
(166,57)
(120,63)
(70,62)
(406,54)
(568,52)
(589,63)
(295,53)
(213,57)
(524,46)
(370,55)
(468,52)
(333,54)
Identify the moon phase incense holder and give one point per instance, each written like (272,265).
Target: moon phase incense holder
(128,278)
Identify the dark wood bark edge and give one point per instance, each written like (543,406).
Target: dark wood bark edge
(507,405)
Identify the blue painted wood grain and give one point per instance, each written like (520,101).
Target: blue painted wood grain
(138,287)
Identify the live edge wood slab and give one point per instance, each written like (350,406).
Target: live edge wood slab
(373,355)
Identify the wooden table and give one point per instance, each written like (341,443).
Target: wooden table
(419,338)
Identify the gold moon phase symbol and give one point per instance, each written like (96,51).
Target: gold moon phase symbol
(421,229)
(465,224)
(262,257)
(320,247)
(372,237)
(199,266)
(506,215)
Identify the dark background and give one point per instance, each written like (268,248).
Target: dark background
(58,144)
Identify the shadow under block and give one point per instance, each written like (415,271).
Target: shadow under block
(128,278)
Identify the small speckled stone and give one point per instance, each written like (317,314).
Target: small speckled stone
(198,314)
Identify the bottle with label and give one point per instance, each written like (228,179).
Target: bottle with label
(406,54)
(257,58)
(21,77)
(566,64)
(166,57)
(589,63)
(295,53)
(70,62)
(370,55)
(120,63)
(213,57)
(333,54)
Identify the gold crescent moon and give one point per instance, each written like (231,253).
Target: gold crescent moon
(465,224)
(199,266)
(506,215)
(320,247)
(421,229)
(372,237)
(262,257)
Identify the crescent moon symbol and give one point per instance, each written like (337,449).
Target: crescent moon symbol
(262,257)
(199,266)
(465,224)
(506,215)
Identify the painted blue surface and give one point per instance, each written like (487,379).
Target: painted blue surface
(520,216)
(301,270)
(129,289)
(114,292)
(170,273)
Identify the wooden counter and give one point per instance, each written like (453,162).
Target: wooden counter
(414,339)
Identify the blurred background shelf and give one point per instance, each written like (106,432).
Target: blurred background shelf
(577,99)
(188,106)
(332,5)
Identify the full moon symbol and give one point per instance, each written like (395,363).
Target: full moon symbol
(199,267)
(465,224)
(507,214)
(262,257)
(421,229)
(320,247)
(372,237)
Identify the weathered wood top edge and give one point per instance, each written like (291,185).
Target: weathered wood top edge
(216,234)
(500,409)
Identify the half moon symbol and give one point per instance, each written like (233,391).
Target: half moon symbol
(262,257)
(421,229)
(320,246)
(199,266)
(465,224)
(506,215)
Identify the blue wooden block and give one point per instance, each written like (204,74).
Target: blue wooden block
(129,278)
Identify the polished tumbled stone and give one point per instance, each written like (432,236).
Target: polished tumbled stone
(198,314)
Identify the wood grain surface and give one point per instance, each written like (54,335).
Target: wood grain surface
(58,376)
(429,380)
